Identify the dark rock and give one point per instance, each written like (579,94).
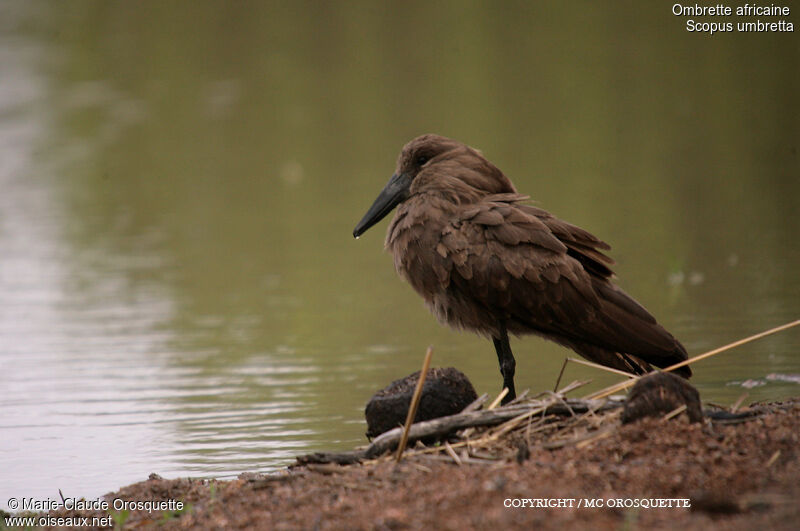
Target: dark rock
(715,503)
(446,392)
(523,451)
(659,393)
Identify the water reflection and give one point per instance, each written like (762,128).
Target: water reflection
(180,291)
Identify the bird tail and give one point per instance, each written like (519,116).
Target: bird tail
(628,338)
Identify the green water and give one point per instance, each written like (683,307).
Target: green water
(179,288)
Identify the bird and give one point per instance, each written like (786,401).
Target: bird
(486,260)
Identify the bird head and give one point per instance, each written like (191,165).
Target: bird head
(435,163)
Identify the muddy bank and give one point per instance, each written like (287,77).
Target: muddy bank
(741,476)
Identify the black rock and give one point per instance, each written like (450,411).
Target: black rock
(446,392)
(660,393)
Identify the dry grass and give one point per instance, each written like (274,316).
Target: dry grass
(534,426)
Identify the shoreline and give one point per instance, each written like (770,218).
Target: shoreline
(654,472)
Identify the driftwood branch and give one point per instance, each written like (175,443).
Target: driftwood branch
(443,426)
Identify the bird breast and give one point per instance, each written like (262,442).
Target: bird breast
(416,239)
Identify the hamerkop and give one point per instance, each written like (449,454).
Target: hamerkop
(486,261)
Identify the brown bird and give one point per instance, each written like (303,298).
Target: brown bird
(486,261)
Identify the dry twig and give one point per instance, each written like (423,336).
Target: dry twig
(412,409)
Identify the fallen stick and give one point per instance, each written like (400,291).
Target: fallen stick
(442,426)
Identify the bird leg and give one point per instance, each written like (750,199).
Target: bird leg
(507,363)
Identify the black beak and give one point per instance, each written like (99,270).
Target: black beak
(395,192)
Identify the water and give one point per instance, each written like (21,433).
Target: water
(180,292)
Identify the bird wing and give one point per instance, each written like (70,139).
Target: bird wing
(541,274)
(509,259)
(581,245)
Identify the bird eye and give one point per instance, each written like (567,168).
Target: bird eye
(422,159)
